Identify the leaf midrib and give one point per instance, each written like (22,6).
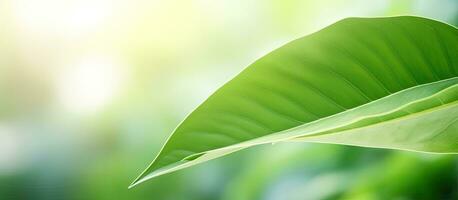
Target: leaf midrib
(317,132)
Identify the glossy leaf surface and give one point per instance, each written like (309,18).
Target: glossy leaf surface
(375,82)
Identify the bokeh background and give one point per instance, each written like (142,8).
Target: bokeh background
(91,89)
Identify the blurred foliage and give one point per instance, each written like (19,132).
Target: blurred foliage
(84,131)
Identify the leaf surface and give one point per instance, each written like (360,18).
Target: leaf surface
(374,82)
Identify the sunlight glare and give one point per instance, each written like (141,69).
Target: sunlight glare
(89,84)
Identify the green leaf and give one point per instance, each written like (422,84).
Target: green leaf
(374,82)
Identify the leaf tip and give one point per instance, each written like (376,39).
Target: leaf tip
(137,181)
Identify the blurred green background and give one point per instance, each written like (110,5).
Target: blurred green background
(91,89)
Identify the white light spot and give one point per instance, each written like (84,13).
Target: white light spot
(11,156)
(89,84)
(62,18)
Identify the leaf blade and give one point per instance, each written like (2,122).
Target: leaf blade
(329,72)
